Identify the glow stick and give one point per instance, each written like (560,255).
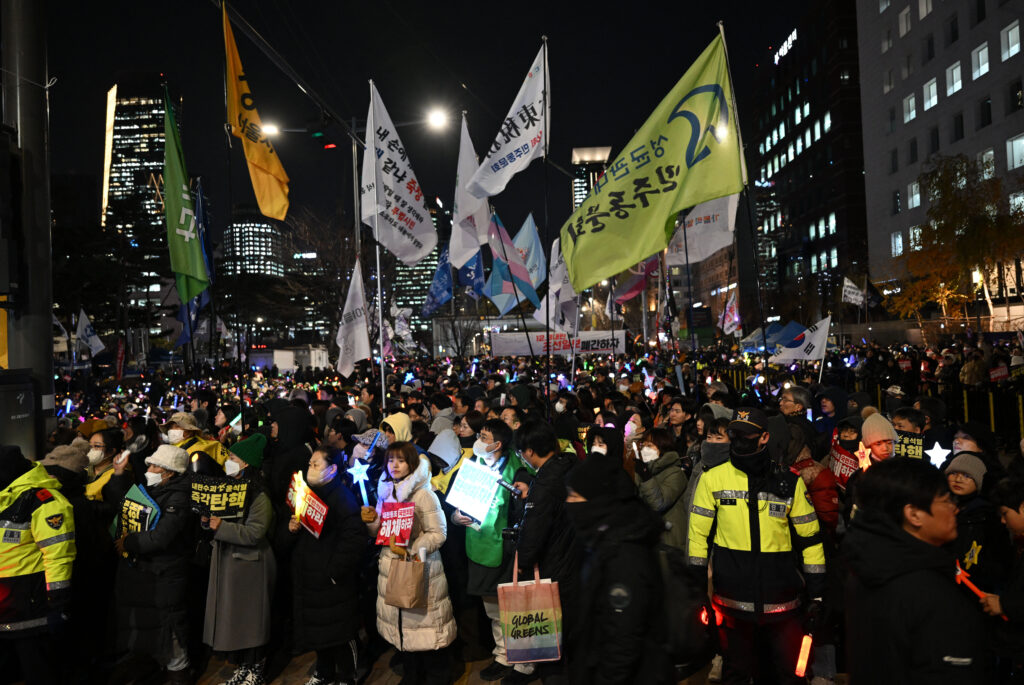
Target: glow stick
(359,475)
(805,653)
(961,579)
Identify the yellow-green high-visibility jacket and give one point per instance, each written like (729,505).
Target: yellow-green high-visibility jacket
(37,549)
(754,569)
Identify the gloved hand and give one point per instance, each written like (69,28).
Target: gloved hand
(642,469)
(395,549)
(368,514)
(813,615)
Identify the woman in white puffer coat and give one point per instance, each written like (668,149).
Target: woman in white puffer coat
(419,634)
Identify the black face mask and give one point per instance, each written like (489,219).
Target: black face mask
(714,452)
(743,445)
(850,445)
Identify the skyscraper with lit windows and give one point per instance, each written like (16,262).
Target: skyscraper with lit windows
(253,245)
(588,163)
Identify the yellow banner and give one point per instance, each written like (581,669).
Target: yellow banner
(269,181)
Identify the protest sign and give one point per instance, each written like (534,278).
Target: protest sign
(139,513)
(218,496)
(842,463)
(395,520)
(909,445)
(309,509)
(587,342)
(474,489)
(998,373)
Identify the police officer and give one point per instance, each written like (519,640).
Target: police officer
(37,550)
(758,594)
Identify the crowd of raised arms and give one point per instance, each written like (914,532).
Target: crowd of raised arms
(703,515)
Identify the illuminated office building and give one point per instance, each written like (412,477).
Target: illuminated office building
(253,246)
(588,163)
(411,283)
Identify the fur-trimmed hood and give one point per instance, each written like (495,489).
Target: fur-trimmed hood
(404,489)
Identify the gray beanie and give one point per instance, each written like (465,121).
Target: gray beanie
(968,464)
(876,427)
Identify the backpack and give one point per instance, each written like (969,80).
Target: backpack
(691,635)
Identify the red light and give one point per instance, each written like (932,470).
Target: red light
(805,653)
(330,146)
(704,615)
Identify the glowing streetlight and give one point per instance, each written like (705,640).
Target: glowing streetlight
(271,129)
(437,119)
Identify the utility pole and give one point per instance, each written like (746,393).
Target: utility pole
(26,110)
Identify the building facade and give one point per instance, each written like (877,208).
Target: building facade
(253,245)
(942,78)
(588,164)
(808,166)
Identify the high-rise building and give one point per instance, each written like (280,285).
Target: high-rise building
(940,79)
(588,164)
(808,169)
(411,283)
(132,183)
(253,245)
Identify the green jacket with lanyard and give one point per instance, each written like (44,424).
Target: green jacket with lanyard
(485,546)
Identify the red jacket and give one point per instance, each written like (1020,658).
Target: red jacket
(823,489)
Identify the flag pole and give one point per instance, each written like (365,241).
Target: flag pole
(546,242)
(746,189)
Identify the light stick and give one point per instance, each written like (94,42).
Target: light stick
(805,653)
(962,579)
(359,475)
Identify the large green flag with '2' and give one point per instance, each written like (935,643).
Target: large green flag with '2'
(687,152)
(183,237)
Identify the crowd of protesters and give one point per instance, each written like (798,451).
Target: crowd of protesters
(774,512)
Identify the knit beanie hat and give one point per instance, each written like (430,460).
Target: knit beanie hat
(67,457)
(250,450)
(876,427)
(967,463)
(169,457)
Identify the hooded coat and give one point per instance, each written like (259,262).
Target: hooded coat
(416,630)
(444,419)
(664,493)
(907,623)
(826,424)
(289,452)
(401,424)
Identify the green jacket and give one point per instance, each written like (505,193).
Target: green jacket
(663,492)
(485,546)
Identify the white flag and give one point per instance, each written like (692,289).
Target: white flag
(470,214)
(709,228)
(851,293)
(731,315)
(390,192)
(523,135)
(353,333)
(809,345)
(87,334)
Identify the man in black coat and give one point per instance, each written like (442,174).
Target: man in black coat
(546,538)
(906,620)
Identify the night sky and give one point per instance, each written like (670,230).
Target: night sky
(610,66)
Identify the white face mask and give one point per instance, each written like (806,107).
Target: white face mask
(559,407)
(599,449)
(95,456)
(648,454)
(480,449)
(316,478)
(231,468)
(154,479)
(175,435)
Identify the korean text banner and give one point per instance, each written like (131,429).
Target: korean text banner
(686,153)
(587,342)
(396,519)
(391,197)
(269,181)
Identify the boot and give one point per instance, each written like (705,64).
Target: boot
(239,676)
(255,675)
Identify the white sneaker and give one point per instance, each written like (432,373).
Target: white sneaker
(715,674)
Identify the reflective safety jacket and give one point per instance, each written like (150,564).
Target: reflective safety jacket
(37,549)
(754,571)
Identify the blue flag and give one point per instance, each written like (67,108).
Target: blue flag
(496,290)
(527,242)
(441,287)
(189,324)
(472,274)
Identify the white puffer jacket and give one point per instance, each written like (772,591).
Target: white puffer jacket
(422,630)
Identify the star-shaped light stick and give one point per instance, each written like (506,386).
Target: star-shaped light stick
(359,475)
(937,454)
(863,455)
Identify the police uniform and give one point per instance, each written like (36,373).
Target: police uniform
(37,550)
(758,588)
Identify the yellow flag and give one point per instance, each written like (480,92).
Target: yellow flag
(269,181)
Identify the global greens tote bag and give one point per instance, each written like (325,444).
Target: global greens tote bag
(531,618)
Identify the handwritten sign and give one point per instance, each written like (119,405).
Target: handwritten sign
(218,496)
(309,509)
(909,445)
(395,519)
(474,489)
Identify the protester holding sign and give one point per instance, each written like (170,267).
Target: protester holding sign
(242,570)
(325,571)
(152,582)
(419,634)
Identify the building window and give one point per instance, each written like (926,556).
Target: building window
(909,108)
(832,223)
(892,120)
(894,161)
(807,109)
(1016,203)
(979,61)
(913,195)
(929,49)
(931,94)
(817,131)
(924,8)
(833,256)
(896,243)
(887,41)
(844,76)
(953,82)
(814,263)
(883,5)
(807,138)
(1015,152)
(915,237)
(912,151)
(979,11)
(1015,97)
(1009,40)
(987,163)
(984,112)
(896,202)
(908,66)
(904,21)
(952,30)
(828,122)
(887,82)
(812,232)
(958,127)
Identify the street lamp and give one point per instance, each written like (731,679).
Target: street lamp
(437,119)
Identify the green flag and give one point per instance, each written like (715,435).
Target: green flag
(183,238)
(687,152)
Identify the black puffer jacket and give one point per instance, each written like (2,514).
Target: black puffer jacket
(907,622)
(325,573)
(152,584)
(289,451)
(982,544)
(619,608)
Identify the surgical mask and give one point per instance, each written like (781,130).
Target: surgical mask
(231,468)
(175,435)
(321,477)
(480,449)
(714,451)
(95,456)
(648,454)
(599,449)
(559,407)
(154,479)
